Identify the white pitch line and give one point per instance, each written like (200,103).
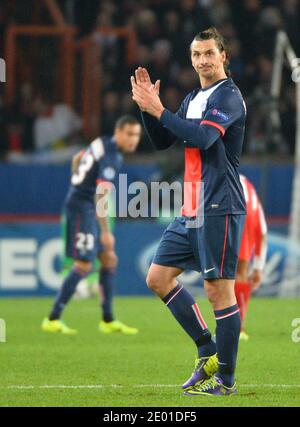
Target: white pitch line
(99,386)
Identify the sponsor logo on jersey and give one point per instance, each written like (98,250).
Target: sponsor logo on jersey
(220,114)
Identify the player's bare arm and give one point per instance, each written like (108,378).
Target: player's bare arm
(106,237)
(76,160)
(255,279)
(257,275)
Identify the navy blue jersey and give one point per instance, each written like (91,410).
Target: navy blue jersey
(211,122)
(101,162)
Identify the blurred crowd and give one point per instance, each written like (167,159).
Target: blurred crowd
(164,31)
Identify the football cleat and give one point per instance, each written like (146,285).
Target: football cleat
(244,336)
(212,387)
(57,326)
(205,367)
(116,326)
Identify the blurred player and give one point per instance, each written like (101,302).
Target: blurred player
(97,167)
(210,124)
(254,243)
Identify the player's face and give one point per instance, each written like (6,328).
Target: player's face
(207,60)
(129,137)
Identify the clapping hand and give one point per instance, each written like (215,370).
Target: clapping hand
(145,93)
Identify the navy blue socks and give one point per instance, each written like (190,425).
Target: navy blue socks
(107,284)
(185,310)
(65,293)
(227,338)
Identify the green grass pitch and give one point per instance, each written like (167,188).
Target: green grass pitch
(91,369)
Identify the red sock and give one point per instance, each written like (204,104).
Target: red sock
(242,293)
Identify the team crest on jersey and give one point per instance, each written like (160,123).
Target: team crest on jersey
(220,114)
(109,173)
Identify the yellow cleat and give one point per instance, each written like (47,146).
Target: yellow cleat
(116,326)
(244,336)
(57,326)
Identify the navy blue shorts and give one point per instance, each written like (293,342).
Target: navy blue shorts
(211,249)
(82,232)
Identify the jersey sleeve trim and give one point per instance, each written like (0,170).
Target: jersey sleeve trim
(216,125)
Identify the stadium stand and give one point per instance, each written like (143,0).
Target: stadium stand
(163,30)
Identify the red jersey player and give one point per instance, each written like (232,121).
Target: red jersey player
(253,246)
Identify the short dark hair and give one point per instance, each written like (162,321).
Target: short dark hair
(213,33)
(125,120)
